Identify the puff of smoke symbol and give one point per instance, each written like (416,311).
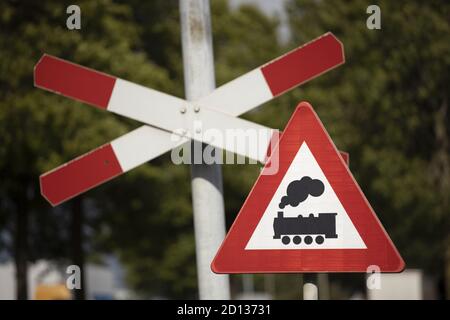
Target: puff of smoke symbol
(298,190)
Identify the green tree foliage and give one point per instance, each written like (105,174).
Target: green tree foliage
(40,130)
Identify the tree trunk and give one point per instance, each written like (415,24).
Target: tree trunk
(21,251)
(77,245)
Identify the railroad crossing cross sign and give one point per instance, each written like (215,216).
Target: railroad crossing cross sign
(311,216)
(166,115)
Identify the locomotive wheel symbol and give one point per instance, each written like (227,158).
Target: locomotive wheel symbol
(297,239)
(308,239)
(319,239)
(285,240)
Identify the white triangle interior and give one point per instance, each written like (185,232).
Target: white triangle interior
(305,165)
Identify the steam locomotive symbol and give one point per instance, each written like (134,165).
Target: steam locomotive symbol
(323,226)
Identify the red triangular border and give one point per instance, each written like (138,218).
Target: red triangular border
(231,257)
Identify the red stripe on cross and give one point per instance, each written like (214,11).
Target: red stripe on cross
(80,174)
(303,64)
(74,81)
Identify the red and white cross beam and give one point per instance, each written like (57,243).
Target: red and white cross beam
(166,115)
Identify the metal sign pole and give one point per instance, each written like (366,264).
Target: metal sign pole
(207,194)
(310,292)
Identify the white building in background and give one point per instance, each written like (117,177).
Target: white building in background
(100,282)
(7,281)
(408,285)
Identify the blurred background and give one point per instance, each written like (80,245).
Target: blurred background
(388,106)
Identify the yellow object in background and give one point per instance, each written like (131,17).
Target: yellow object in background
(52,292)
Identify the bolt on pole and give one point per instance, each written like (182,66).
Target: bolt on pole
(206,183)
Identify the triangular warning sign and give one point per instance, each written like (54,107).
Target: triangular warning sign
(310,216)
